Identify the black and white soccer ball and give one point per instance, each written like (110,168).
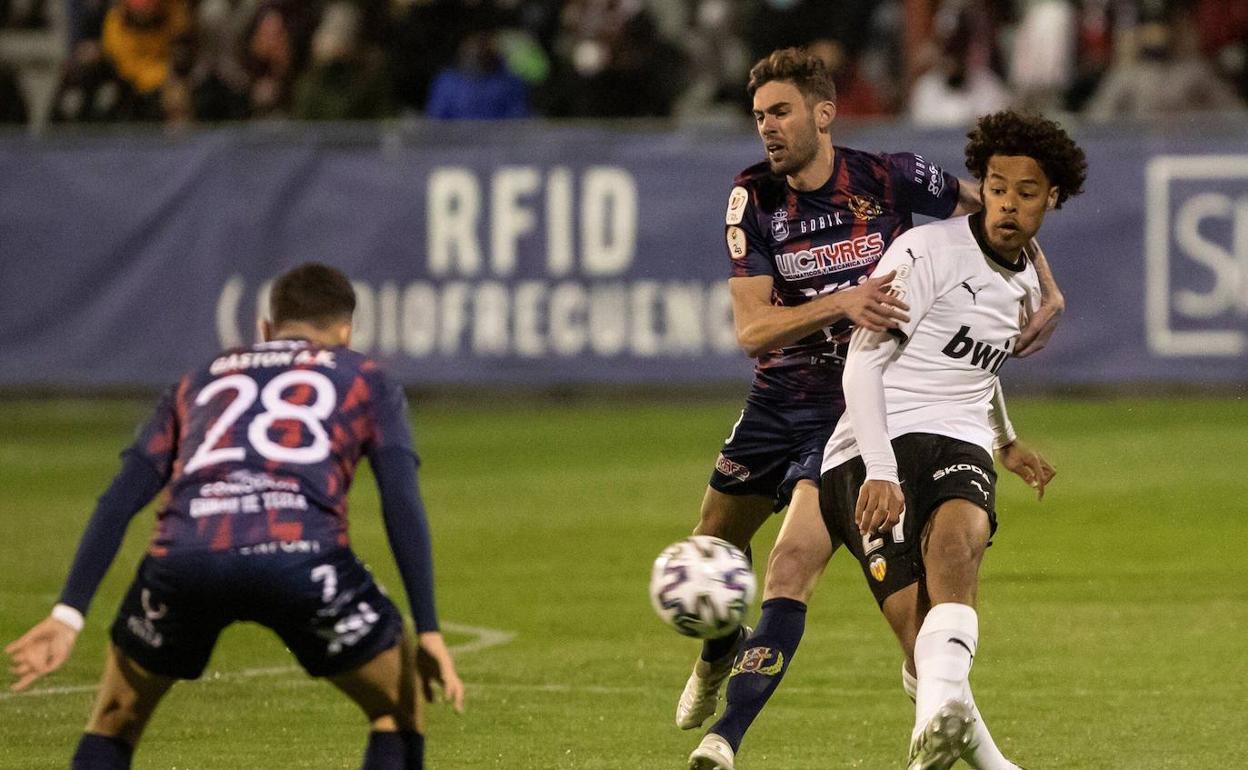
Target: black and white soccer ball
(702,586)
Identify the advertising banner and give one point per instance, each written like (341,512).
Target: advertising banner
(539,255)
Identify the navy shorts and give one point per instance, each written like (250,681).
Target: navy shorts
(323,603)
(932,469)
(774,445)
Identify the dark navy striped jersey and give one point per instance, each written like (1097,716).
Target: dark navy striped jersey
(260,446)
(822,241)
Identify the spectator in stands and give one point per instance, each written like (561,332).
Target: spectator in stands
(142,39)
(273,59)
(219,81)
(1223,29)
(1043,57)
(719,60)
(12,101)
(1165,75)
(479,87)
(855,96)
(959,85)
(347,80)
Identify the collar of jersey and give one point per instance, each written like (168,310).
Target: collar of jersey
(981,237)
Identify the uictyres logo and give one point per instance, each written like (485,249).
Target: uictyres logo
(983,355)
(818,260)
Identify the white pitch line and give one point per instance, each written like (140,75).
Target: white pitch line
(485,638)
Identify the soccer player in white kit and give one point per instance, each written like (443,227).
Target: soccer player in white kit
(912,458)
(908,483)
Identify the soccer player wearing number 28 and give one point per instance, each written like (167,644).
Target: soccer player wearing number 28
(255,452)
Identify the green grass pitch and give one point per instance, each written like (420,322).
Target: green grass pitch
(1114,615)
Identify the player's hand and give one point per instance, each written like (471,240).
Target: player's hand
(1043,323)
(870,306)
(435,665)
(40,651)
(1027,464)
(880,505)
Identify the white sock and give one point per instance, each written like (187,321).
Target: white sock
(982,753)
(943,653)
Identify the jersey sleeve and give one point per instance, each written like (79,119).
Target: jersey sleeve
(157,440)
(746,246)
(390,428)
(917,282)
(922,186)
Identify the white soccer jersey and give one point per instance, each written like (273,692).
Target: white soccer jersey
(967,309)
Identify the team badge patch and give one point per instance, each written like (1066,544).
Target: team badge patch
(754,661)
(780,224)
(736,205)
(736,242)
(864,208)
(879,567)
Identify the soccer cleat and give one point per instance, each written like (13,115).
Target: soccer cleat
(945,737)
(713,753)
(701,693)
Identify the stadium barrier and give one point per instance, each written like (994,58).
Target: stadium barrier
(530,254)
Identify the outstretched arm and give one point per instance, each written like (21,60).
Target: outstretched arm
(46,646)
(762,326)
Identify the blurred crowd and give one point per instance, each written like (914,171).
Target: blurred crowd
(940,62)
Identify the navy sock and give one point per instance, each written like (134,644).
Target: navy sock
(100,752)
(386,751)
(760,666)
(414,742)
(714,649)
(404,750)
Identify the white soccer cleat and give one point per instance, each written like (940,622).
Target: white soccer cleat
(945,737)
(701,694)
(713,753)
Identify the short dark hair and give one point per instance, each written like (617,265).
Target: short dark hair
(312,293)
(1032,136)
(805,70)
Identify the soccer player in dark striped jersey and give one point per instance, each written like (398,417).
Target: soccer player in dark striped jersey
(804,230)
(252,455)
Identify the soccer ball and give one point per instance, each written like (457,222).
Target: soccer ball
(702,586)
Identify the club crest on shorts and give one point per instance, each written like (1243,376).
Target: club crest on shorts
(780,224)
(879,567)
(754,661)
(864,208)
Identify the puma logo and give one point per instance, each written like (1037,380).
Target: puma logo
(973,292)
(963,645)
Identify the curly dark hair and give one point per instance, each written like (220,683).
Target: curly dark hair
(1032,136)
(806,71)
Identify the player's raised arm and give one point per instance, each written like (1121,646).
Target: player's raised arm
(144,470)
(395,464)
